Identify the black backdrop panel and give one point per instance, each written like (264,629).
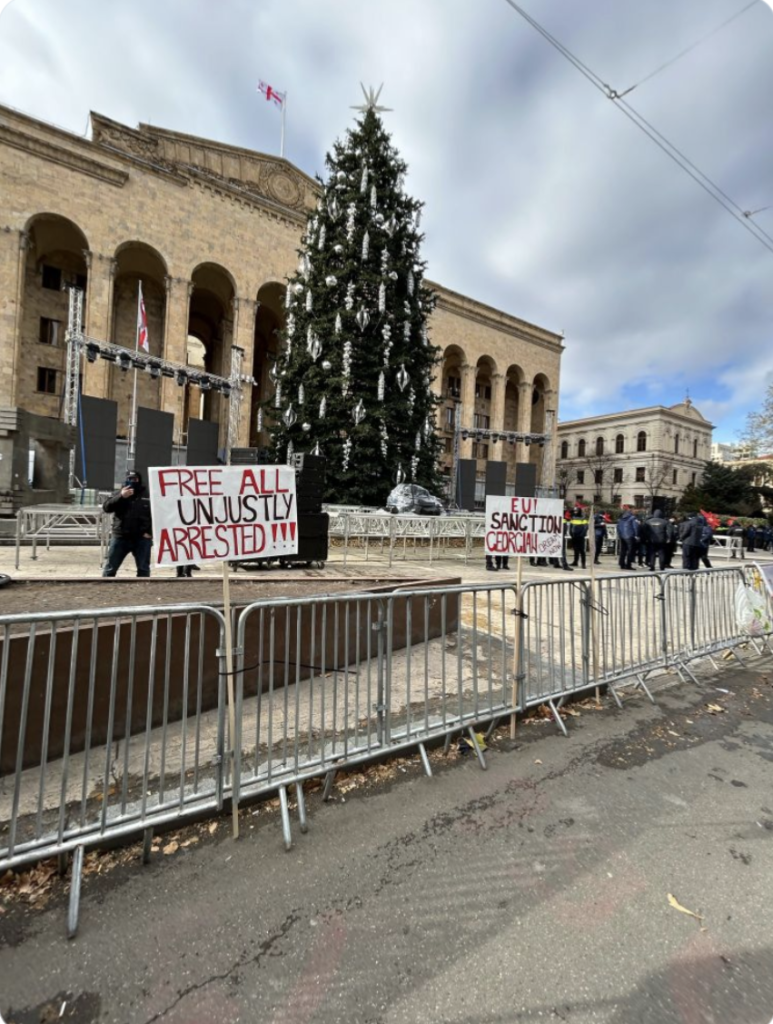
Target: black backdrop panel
(465,484)
(202,443)
(96,442)
(496,478)
(525,479)
(154,440)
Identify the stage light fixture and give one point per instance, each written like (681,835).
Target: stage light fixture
(527,440)
(92,352)
(138,364)
(109,357)
(154,369)
(494,438)
(205,384)
(181,377)
(167,371)
(124,361)
(465,434)
(226,389)
(542,442)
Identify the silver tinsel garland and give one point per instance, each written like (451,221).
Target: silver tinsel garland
(365,246)
(381,297)
(349,300)
(350,212)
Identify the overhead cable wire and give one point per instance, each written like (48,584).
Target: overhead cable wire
(689,49)
(701,179)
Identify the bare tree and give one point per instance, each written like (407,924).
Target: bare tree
(657,474)
(601,469)
(757,437)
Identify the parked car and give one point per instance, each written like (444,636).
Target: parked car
(413,498)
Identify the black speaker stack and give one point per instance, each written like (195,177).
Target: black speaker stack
(313,523)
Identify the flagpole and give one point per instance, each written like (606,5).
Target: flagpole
(133,423)
(282,140)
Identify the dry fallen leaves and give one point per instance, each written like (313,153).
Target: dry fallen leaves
(715,709)
(170,848)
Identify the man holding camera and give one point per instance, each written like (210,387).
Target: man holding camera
(132,526)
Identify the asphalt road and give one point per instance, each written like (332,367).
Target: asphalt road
(535,891)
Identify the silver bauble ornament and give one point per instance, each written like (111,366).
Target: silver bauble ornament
(322,407)
(289,417)
(358,413)
(305,427)
(333,208)
(326,364)
(338,249)
(393,275)
(400,475)
(259,421)
(315,348)
(362,318)
(341,176)
(391,226)
(402,378)
(379,219)
(331,280)
(316,450)
(297,287)
(273,373)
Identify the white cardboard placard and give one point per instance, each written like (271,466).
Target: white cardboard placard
(524,527)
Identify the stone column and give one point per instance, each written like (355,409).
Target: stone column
(467,409)
(524,408)
(178,297)
(245,311)
(97,319)
(497,418)
(13,267)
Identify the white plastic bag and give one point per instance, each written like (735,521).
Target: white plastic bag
(751,611)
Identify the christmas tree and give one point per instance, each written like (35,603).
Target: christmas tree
(352,381)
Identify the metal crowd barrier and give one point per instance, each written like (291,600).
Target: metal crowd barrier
(439,536)
(113,722)
(332,681)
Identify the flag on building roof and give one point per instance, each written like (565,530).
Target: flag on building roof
(142,324)
(271,93)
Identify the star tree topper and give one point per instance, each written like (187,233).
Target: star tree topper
(371,101)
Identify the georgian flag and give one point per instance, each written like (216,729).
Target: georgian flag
(271,93)
(142,324)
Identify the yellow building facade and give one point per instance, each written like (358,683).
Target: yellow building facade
(211,231)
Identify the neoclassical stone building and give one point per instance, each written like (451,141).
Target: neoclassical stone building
(211,231)
(631,457)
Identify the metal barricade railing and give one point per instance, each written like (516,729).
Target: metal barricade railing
(554,647)
(700,614)
(335,680)
(627,633)
(111,721)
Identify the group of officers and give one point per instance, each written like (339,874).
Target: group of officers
(644,542)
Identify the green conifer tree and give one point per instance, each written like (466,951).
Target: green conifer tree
(352,381)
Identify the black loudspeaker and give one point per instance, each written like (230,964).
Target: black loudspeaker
(496,479)
(309,483)
(244,456)
(525,479)
(312,537)
(154,439)
(202,443)
(466,472)
(95,443)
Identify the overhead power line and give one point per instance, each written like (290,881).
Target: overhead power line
(689,49)
(711,188)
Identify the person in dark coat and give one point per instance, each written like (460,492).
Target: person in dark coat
(690,534)
(657,534)
(578,532)
(627,529)
(599,536)
(707,534)
(751,536)
(672,536)
(132,526)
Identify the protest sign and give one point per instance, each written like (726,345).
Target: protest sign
(222,513)
(524,527)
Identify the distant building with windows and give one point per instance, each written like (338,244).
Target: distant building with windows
(629,458)
(724,452)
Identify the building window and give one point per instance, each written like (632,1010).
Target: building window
(638,501)
(599,445)
(454,387)
(450,418)
(641,441)
(480,451)
(596,499)
(483,391)
(50,331)
(675,477)
(580,476)
(619,444)
(46,380)
(581,449)
(564,449)
(598,477)
(676,444)
(618,477)
(52,278)
(640,474)
(693,478)
(481,422)
(448,446)
(695,449)
(579,499)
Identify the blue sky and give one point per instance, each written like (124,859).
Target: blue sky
(542,199)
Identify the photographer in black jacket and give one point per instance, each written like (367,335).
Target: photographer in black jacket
(132,526)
